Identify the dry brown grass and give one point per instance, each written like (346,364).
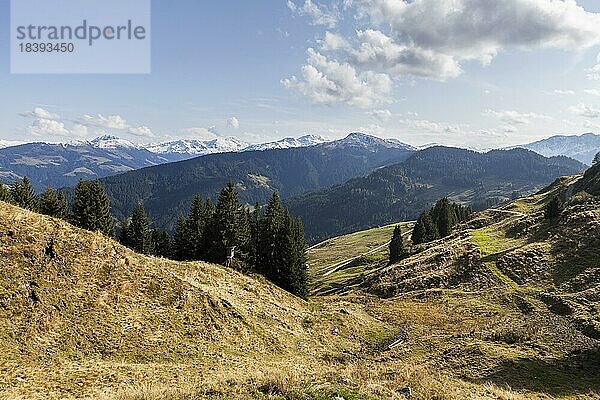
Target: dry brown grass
(101,322)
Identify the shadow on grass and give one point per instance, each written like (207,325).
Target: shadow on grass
(576,374)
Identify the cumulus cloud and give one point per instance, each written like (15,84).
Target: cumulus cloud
(382,115)
(44,127)
(334,42)
(318,14)
(327,81)
(142,131)
(100,121)
(40,113)
(233,123)
(114,122)
(45,123)
(594,72)
(592,92)
(432,39)
(200,133)
(451,32)
(584,110)
(515,117)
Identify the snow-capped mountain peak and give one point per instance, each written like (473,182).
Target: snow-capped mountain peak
(287,143)
(198,147)
(112,142)
(358,139)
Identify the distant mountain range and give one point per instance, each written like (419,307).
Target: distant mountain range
(401,192)
(48,164)
(167,190)
(581,148)
(61,165)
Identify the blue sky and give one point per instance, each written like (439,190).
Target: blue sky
(523,72)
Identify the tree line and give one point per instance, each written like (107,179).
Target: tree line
(267,240)
(434,224)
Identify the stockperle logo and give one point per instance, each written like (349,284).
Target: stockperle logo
(80,36)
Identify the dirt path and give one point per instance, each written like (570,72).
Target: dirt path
(339,265)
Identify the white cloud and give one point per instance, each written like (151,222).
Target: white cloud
(584,110)
(382,115)
(233,123)
(334,42)
(373,129)
(42,126)
(594,72)
(142,131)
(40,113)
(319,14)
(201,133)
(450,32)
(379,51)
(515,117)
(432,39)
(426,126)
(327,81)
(592,92)
(79,130)
(564,92)
(100,121)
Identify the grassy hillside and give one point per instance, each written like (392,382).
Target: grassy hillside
(506,308)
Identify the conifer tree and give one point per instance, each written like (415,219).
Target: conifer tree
(161,243)
(596,159)
(63,206)
(180,249)
(91,208)
(197,221)
(53,204)
(444,217)
(268,239)
(553,208)
(22,195)
(299,270)
(124,234)
(138,232)
(419,232)
(254,229)
(431,228)
(5,193)
(397,251)
(228,226)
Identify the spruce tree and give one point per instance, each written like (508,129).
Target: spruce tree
(197,223)
(397,251)
(53,204)
(431,228)
(299,270)
(267,251)
(22,194)
(419,232)
(138,232)
(124,237)
(91,208)
(228,227)
(444,217)
(161,243)
(63,206)
(553,208)
(180,249)
(596,159)
(5,193)
(254,229)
